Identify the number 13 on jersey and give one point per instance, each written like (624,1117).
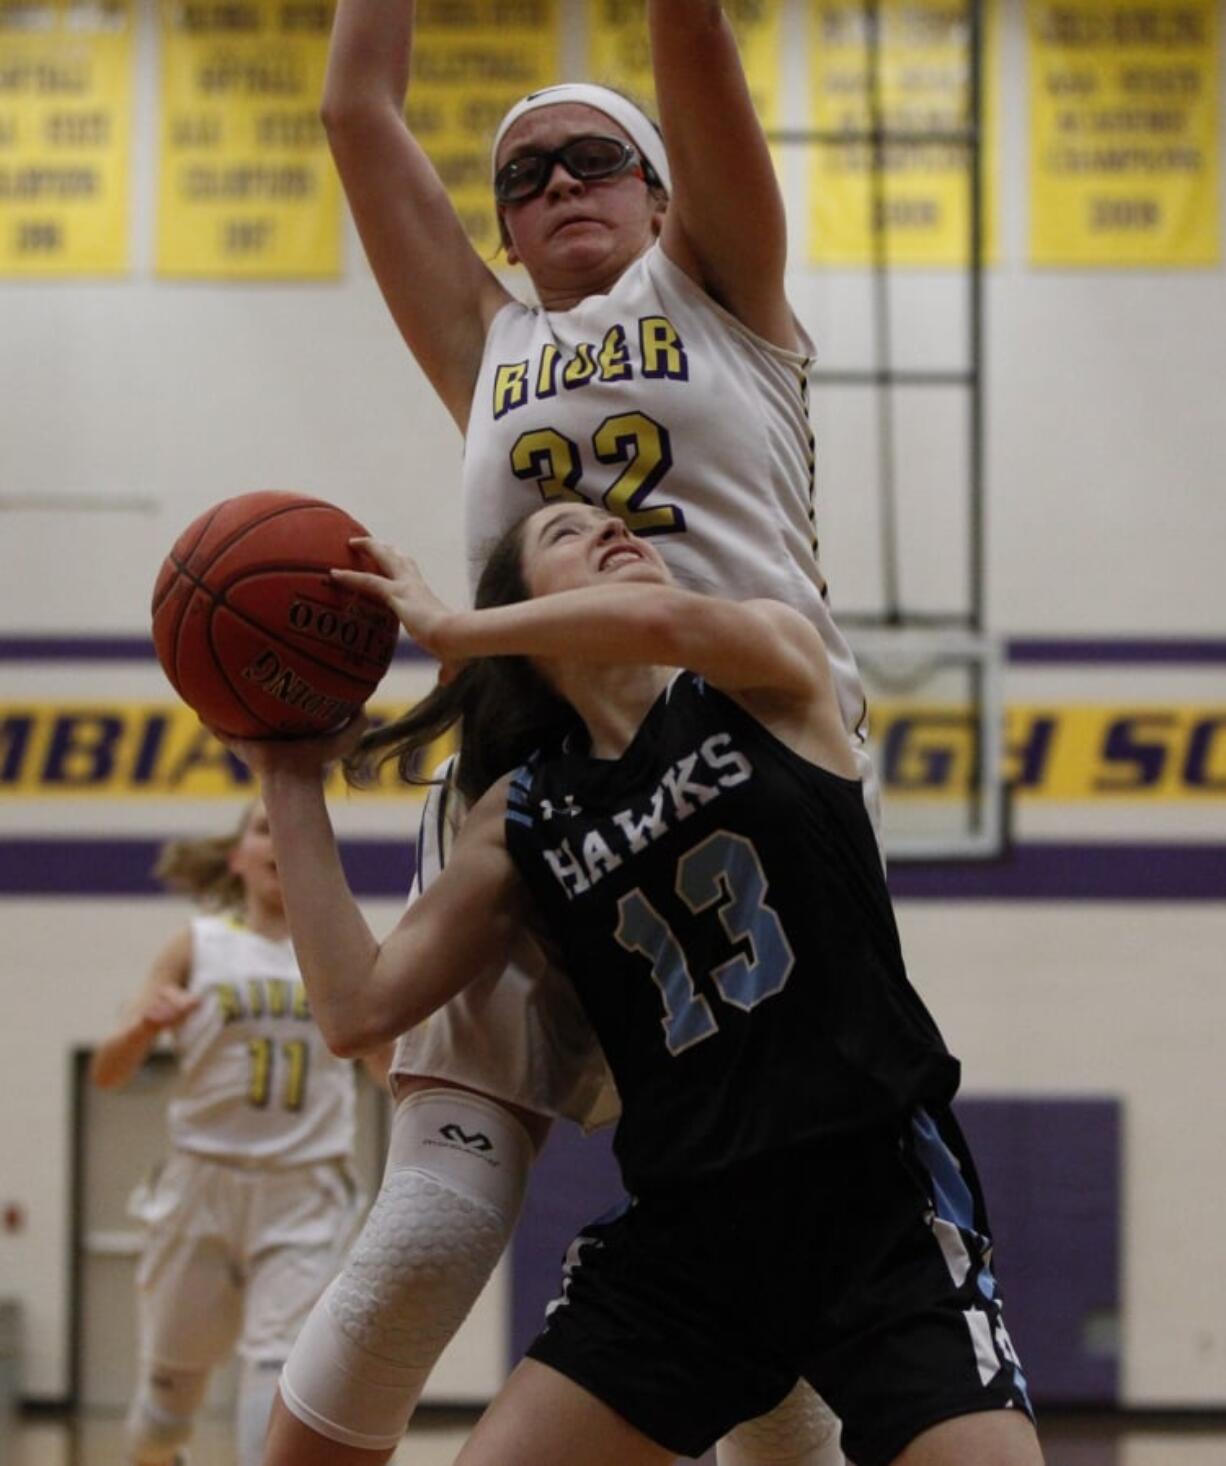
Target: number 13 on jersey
(724,865)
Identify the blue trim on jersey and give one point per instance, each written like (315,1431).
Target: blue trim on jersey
(955,1204)
(953,1196)
(517,791)
(949,1186)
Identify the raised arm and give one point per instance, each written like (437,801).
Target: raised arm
(440,292)
(364,992)
(161,1004)
(763,652)
(726,223)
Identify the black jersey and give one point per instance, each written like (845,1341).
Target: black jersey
(720,906)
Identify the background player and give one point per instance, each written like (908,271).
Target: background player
(248,1219)
(665,377)
(697,848)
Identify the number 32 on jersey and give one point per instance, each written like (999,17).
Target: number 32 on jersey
(639,442)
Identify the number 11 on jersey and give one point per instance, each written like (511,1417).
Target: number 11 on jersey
(262,1052)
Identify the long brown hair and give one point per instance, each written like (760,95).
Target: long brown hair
(505,708)
(201,868)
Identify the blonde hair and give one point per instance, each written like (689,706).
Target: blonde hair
(201,868)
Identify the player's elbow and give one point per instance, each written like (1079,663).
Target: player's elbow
(355,117)
(354,1028)
(343,115)
(346,1034)
(345,1042)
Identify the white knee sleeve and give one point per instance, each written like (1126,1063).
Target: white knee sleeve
(162,1412)
(801,1430)
(456,1170)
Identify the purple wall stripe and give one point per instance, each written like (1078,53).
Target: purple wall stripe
(1061,871)
(75,649)
(121,649)
(1047,871)
(1020,651)
(110,867)
(1134,652)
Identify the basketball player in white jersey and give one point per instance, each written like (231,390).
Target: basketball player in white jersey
(663,376)
(249,1218)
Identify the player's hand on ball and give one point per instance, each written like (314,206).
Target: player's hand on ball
(167,1007)
(401,587)
(305,758)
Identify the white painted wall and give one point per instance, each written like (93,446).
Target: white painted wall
(1107,516)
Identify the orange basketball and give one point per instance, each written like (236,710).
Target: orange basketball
(253,632)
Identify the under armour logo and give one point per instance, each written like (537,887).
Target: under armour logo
(549,808)
(476,1140)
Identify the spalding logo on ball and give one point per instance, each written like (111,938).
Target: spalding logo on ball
(253,632)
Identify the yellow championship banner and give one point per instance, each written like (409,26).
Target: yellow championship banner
(924,93)
(1064,754)
(1124,166)
(471,60)
(65,136)
(246,186)
(619,55)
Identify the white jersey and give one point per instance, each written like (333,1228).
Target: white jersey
(257,1082)
(521,1036)
(656,403)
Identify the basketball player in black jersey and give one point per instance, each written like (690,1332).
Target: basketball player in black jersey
(694,846)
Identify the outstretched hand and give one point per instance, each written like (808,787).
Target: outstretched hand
(401,587)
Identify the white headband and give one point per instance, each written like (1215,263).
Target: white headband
(633,121)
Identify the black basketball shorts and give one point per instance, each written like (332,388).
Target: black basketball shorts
(862,1264)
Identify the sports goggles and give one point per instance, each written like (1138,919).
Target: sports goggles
(585,158)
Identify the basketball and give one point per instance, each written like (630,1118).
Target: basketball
(253,632)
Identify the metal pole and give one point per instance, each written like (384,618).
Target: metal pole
(882,337)
(975,447)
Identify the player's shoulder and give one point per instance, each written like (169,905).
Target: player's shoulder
(175,958)
(218,928)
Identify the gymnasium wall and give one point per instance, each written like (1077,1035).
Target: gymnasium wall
(1086,965)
